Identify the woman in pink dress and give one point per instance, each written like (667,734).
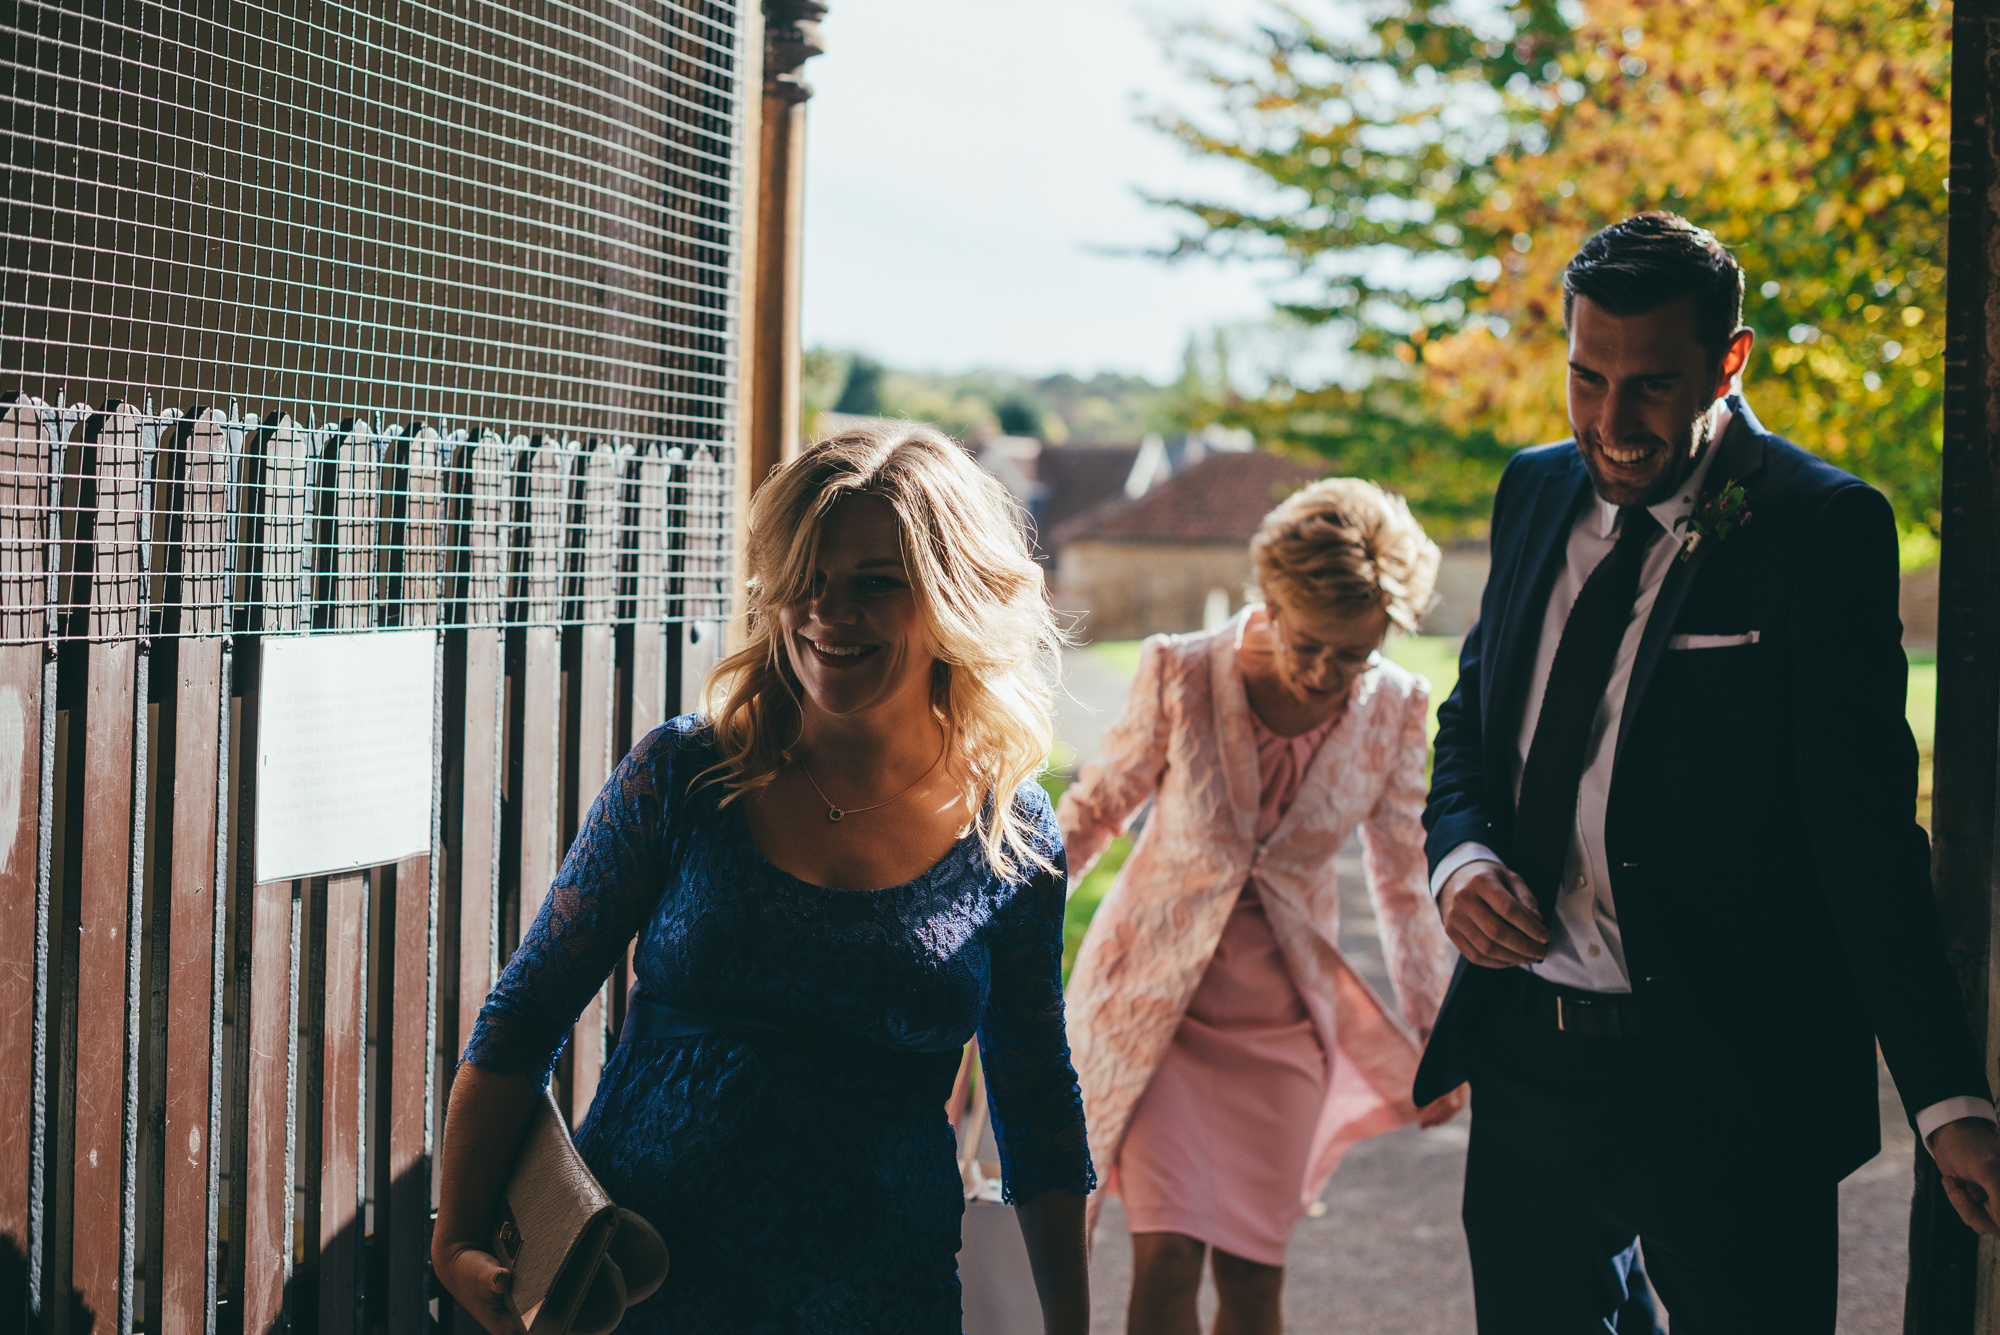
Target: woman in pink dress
(1228,1054)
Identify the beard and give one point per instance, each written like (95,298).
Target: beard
(1680,457)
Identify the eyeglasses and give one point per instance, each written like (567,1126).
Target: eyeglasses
(1311,654)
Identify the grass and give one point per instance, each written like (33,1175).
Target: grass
(1083,904)
(1121,654)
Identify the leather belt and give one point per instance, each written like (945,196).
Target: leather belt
(654,1020)
(1588,1014)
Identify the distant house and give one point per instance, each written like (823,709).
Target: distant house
(1075,480)
(1176,557)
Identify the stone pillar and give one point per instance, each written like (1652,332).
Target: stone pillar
(791,37)
(1952,1273)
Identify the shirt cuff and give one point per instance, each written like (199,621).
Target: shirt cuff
(1469,851)
(1951,1110)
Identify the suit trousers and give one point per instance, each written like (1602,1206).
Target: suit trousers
(1583,1146)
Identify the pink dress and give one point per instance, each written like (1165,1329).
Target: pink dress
(1221,1138)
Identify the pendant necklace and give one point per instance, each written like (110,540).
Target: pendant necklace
(837,814)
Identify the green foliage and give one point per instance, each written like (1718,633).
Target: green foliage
(1372,142)
(1017,416)
(862,394)
(1089,894)
(1058,408)
(1425,175)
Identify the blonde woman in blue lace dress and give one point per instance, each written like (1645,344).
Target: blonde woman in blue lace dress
(834,880)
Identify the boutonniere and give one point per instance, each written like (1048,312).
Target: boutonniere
(1714,516)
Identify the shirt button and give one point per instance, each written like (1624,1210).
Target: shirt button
(1595,951)
(1583,883)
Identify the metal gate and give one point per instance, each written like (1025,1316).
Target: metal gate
(326,318)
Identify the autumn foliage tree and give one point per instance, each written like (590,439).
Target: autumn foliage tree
(1433,174)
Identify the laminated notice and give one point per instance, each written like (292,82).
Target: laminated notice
(344,751)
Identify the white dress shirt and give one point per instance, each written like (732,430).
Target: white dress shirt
(1586,950)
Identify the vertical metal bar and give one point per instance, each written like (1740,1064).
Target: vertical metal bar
(645,525)
(333,1102)
(28,451)
(109,899)
(590,604)
(473,719)
(271,541)
(402,1188)
(1949,1266)
(356,475)
(195,456)
(420,541)
(534,669)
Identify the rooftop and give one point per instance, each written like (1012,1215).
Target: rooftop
(1221,499)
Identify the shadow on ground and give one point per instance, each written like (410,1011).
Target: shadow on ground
(1387,1258)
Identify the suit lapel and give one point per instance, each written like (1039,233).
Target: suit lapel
(1233,735)
(1739,455)
(1549,523)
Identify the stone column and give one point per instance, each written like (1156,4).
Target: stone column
(791,37)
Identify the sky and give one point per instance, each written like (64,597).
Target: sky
(968,169)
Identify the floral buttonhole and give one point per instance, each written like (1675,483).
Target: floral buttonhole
(1715,516)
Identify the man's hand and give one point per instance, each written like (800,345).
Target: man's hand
(480,1283)
(1489,914)
(1968,1155)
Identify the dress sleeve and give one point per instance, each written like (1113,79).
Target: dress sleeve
(1131,757)
(1414,946)
(611,879)
(1031,1087)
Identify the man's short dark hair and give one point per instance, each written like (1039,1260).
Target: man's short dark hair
(1643,263)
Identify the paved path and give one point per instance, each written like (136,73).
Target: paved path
(1387,1258)
(1092,697)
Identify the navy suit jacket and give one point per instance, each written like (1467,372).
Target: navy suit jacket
(1772,882)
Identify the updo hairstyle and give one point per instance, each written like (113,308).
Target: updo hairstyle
(1344,547)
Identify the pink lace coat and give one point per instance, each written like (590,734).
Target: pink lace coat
(1185,741)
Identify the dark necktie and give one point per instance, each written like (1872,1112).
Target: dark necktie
(1545,820)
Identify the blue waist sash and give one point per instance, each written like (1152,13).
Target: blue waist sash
(653,1020)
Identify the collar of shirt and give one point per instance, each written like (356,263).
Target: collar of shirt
(1669,511)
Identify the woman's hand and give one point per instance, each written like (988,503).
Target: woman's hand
(480,1283)
(483,1126)
(1440,1111)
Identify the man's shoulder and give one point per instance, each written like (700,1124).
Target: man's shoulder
(1529,477)
(1557,459)
(1792,486)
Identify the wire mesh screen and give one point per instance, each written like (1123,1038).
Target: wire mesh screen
(337,272)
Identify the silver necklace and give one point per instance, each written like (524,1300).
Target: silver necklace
(838,814)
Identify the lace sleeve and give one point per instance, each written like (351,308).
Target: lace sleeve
(1414,946)
(1131,757)
(610,881)
(1031,1086)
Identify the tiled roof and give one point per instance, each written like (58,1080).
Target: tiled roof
(1079,478)
(1219,500)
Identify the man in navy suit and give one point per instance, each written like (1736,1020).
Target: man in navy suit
(1672,831)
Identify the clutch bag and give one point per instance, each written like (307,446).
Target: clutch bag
(579,1259)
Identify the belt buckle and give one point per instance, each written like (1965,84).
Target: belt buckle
(1592,1019)
(1563,1016)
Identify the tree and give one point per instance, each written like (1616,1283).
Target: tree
(1431,177)
(862,394)
(1017,416)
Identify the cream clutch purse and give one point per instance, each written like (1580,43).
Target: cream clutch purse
(579,1260)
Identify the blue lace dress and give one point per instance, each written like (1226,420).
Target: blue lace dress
(804,1179)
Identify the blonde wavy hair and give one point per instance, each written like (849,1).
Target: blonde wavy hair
(979,594)
(1345,546)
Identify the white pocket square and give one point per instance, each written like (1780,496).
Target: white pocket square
(1714,641)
